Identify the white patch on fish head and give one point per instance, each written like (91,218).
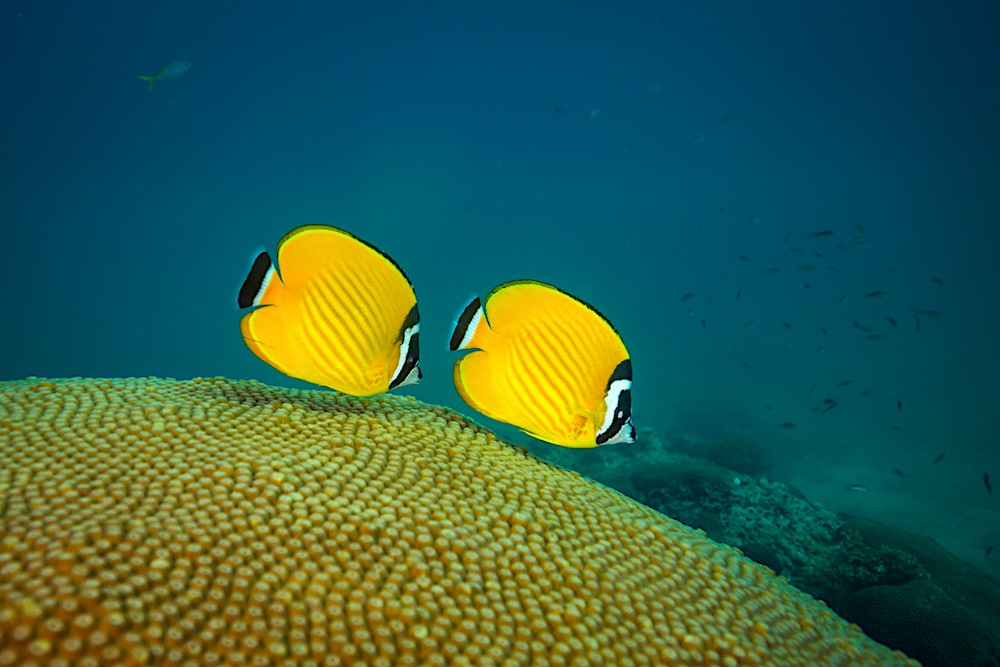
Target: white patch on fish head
(413,374)
(617,427)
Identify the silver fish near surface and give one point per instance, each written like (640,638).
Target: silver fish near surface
(174,70)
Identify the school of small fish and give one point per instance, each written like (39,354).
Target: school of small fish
(813,252)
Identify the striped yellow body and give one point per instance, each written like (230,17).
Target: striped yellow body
(334,316)
(543,363)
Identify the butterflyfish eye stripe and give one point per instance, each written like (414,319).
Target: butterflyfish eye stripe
(546,362)
(409,351)
(617,425)
(344,314)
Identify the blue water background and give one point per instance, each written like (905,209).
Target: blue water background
(627,152)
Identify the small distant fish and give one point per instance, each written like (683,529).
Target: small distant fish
(865,392)
(362,338)
(812,390)
(822,330)
(786,325)
(916,321)
(830,406)
(937,459)
(898,473)
(808,268)
(842,299)
(842,246)
(768,406)
(745,258)
(704,325)
(877,294)
(937,281)
(860,241)
(687,297)
(833,269)
(822,232)
(806,286)
(844,383)
(754,219)
(891,320)
(787,425)
(858,488)
(546,362)
(819,349)
(798,251)
(819,255)
(933,314)
(858,325)
(176,69)
(771,271)
(788,238)
(739,293)
(986,481)
(558,109)
(899,405)
(989,550)
(877,337)
(860,228)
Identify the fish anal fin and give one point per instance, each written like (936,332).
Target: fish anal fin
(476,382)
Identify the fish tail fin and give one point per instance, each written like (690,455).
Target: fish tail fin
(471,328)
(151,80)
(473,375)
(258,279)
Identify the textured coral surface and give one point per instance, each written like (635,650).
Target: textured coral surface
(213,522)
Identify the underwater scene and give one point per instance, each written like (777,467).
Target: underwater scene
(383,333)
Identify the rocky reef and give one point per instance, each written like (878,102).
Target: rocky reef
(903,589)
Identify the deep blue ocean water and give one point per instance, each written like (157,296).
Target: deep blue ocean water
(629,153)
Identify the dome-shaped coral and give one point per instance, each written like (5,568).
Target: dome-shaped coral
(214,522)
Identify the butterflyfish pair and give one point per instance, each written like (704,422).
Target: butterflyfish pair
(339,312)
